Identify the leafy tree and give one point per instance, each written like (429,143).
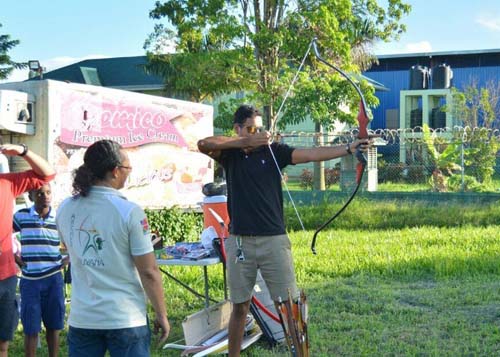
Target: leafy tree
(443,158)
(477,106)
(256,46)
(466,162)
(480,153)
(6,63)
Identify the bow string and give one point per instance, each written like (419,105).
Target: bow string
(363,121)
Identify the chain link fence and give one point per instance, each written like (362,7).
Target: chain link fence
(459,159)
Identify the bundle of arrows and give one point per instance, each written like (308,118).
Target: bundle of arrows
(293,316)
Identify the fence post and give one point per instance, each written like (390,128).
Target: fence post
(462,161)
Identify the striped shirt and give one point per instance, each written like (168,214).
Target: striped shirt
(40,243)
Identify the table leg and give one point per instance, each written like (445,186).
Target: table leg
(194,292)
(225,280)
(205,275)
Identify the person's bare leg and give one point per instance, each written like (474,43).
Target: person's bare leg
(53,342)
(4,347)
(30,344)
(236,327)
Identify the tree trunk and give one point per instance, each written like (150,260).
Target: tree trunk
(319,167)
(267,117)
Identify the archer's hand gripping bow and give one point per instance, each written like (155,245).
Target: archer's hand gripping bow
(363,121)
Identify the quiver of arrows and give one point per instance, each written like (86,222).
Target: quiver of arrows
(293,316)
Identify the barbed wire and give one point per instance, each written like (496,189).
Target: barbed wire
(456,134)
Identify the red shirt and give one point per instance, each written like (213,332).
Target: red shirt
(11,186)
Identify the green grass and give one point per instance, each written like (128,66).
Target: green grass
(294,185)
(390,278)
(403,187)
(381,187)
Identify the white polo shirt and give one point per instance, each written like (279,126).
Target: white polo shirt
(102,232)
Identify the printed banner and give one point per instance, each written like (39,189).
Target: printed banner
(159,134)
(91,117)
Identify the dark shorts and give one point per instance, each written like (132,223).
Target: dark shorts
(125,342)
(9,311)
(42,300)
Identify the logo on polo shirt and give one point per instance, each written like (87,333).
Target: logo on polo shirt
(92,242)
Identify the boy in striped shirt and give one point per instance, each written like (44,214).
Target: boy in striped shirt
(41,286)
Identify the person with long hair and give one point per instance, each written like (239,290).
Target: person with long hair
(112,261)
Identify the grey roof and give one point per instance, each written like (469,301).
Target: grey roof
(118,72)
(127,73)
(377,85)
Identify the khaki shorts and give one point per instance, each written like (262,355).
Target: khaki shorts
(272,255)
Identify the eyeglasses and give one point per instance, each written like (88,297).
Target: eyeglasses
(125,167)
(252,129)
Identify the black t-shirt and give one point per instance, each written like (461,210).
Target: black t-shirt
(254,193)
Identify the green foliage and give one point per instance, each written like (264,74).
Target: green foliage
(224,119)
(268,45)
(479,149)
(443,155)
(332,176)
(466,184)
(6,63)
(306,179)
(480,154)
(477,106)
(176,225)
(390,171)
(209,74)
(416,174)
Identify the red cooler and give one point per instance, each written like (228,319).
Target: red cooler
(219,205)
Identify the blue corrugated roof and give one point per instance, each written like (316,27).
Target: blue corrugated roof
(394,71)
(399,80)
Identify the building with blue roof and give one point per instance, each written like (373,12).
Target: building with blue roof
(393,71)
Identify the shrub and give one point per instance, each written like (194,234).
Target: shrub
(175,224)
(390,172)
(470,184)
(306,179)
(416,174)
(332,176)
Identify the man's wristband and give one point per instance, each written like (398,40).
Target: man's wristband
(348,149)
(25,149)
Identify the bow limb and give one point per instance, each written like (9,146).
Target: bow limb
(363,121)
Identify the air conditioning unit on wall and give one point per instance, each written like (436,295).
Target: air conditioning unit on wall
(17,112)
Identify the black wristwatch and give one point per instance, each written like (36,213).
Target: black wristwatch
(348,149)
(25,149)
